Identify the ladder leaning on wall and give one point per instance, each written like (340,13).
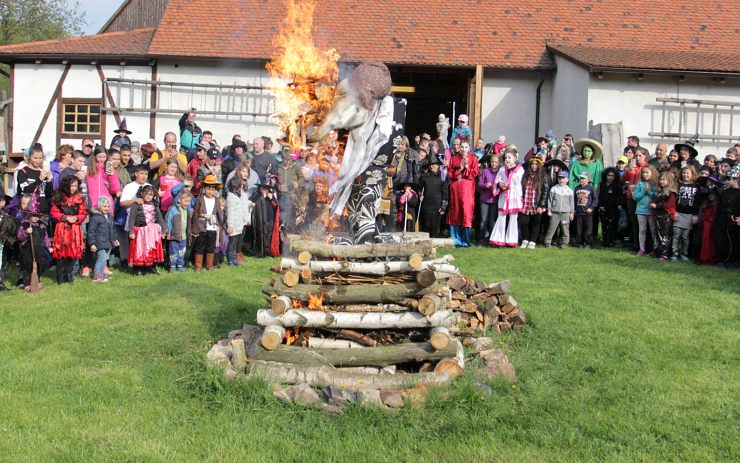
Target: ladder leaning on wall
(699,109)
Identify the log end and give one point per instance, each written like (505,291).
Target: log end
(304,257)
(416,261)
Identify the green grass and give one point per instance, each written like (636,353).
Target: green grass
(623,359)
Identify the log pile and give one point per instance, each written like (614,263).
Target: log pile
(366,323)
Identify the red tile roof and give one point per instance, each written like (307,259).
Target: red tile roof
(124,44)
(493,33)
(614,59)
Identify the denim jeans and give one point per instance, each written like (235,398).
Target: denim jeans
(101,262)
(177,252)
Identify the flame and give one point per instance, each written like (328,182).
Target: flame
(291,335)
(297,304)
(311,74)
(315,302)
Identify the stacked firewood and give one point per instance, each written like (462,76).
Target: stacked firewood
(352,319)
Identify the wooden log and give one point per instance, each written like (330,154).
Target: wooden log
(452,366)
(353,294)
(503,299)
(510,306)
(272,337)
(500,287)
(360,251)
(379,356)
(281,304)
(306,275)
(517,318)
(238,354)
(441,265)
(426,278)
(304,257)
(429,304)
(291,278)
(324,343)
(440,337)
(325,376)
(363,320)
(353,335)
(415,261)
(370,308)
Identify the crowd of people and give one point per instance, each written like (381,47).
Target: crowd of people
(192,202)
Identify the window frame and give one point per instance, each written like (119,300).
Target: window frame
(78,135)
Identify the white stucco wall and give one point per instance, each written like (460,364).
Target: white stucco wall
(569,99)
(623,98)
(509,106)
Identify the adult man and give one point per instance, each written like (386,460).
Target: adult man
(479,148)
(158,159)
(190,133)
(201,153)
(263,162)
(539,149)
(128,198)
(235,157)
(88,145)
(661,157)
(207,137)
(551,140)
(568,140)
(288,174)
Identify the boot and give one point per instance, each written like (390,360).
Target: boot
(209,260)
(199,262)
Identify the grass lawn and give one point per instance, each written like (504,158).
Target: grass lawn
(623,359)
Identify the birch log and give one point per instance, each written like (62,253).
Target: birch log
(353,294)
(325,376)
(322,343)
(380,356)
(361,251)
(441,265)
(272,337)
(440,338)
(362,320)
(281,304)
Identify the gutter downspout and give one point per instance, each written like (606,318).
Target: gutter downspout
(537,106)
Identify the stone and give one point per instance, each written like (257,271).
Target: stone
(483,388)
(479,344)
(493,356)
(498,371)
(230,373)
(220,355)
(281,394)
(238,354)
(334,395)
(392,399)
(369,397)
(333,409)
(303,394)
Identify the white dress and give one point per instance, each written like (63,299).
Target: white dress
(510,202)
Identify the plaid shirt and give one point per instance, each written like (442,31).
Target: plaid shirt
(528,207)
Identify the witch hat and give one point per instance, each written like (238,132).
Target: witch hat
(689,145)
(123,128)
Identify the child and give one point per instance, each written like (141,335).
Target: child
(586,202)
(33,240)
(178,223)
(560,209)
(727,221)
(643,193)
(664,213)
(462,131)
(687,213)
(68,210)
(611,203)
(101,236)
(707,213)
(237,217)
(206,223)
(407,204)
(7,236)
(145,225)
(166,182)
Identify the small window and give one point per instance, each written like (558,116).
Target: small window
(81,118)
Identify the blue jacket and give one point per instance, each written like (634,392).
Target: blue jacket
(101,231)
(643,197)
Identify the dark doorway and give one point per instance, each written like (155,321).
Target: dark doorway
(434,92)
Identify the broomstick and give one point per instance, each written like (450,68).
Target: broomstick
(418,214)
(35,285)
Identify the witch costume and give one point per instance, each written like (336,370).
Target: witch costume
(266,223)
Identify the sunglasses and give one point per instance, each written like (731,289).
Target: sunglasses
(89,146)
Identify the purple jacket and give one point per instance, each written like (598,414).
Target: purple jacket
(486,194)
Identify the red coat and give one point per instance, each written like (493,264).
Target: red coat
(462,190)
(68,242)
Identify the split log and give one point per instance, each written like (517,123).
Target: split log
(499,288)
(380,356)
(441,265)
(510,306)
(364,320)
(272,337)
(325,376)
(517,318)
(503,299)
(238,354)
(440,337)
(322,343)
(453,366)
(360,251)
(430,304)
(353,294)
(281,304)
(291,278)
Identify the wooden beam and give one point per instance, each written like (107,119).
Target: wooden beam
(108,95)
(153,103)
(478,102)
(52,101)
(9,112)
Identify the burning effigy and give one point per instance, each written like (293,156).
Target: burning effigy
(358,314)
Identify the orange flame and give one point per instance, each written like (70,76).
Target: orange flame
(315,302)
(297,304)
(310,74)
(291,335)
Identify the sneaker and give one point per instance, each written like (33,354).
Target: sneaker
(173,269)
(640,253)
(85,273)
(100,279)
(106,271)
(531,245)
(685,258)
(663,258)
(180,269)
(674,258)
(548,245)
(524,244)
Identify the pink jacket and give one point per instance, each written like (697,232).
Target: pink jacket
(102,185)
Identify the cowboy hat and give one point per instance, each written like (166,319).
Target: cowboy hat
(211,180)
(596,146)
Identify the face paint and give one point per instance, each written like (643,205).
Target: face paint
(587,152)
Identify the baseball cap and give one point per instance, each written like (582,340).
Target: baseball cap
(213,153)
(203,145)
(563,174)
(584,175)
(622,159)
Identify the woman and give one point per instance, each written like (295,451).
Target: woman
(534,203)
(508,188)
(101,178)
(462,172)
(116,158)
(34,178)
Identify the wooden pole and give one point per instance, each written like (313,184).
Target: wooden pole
(353,294)
(358,320)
